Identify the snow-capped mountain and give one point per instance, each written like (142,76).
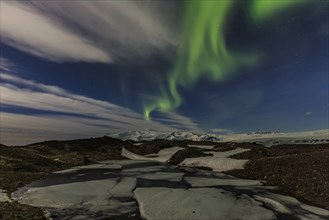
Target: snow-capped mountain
(267,138)
(153,135)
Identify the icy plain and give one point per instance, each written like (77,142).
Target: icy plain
(154,190)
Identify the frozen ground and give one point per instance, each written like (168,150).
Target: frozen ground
(218,162)
(154,190)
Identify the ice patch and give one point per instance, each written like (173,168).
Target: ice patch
(273,204)
(204,181)
(93,166)
(198,203)
(69,195)
(198,195)
(146,169)
(90,197)
(280,203)
(124,188)
(315,210)
(162,156)
(218,162)
(170,176)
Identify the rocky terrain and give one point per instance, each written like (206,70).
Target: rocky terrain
(20,165)
(301,170)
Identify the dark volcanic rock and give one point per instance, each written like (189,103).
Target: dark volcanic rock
(21,165)
(223,148)
(15,210)
(151,147)
(254,153)
(24,164)
(190,152)
(301,170)
(90,144)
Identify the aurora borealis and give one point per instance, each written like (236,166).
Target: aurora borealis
(79,68)
(203,52)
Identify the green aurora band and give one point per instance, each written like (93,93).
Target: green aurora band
(203,52)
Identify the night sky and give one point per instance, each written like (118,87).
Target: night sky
(77,69)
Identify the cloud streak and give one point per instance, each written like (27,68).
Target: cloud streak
(67,115)
(61,31)
(22,27)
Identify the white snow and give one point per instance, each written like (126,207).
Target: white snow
(147,135)
(218,162)
(197,203)
(93,166)
(274,204)
(281,203)
(3,196)
(162,156)
(266,138)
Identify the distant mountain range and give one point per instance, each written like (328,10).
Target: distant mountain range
(265,137)
(153,135)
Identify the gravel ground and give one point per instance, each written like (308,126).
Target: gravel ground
(299,170)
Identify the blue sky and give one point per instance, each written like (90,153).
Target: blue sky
(78,69)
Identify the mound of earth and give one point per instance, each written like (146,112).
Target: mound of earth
(190,152)
(22,165)
(151,147)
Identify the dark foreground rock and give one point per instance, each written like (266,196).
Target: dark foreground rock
(151,147)
(21,165)
(299,170)
(190,152)
(15,210)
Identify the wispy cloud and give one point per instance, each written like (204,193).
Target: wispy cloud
(20,129)
(27,30)
(221,131)
(307,113)
(92,31)
(178,121)
(6,65)
(68,115)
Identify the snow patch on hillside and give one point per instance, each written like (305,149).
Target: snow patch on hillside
(268,138)
(219,162)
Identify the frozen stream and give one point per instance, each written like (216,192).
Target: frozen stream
(154,190)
